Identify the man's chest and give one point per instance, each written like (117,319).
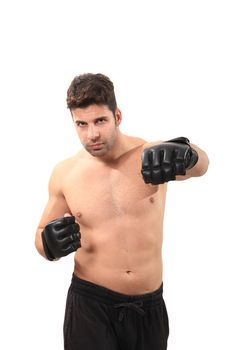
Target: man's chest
(107,193)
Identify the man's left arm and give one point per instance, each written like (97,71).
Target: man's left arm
(175,159)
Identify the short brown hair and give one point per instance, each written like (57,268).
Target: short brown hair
(87,89)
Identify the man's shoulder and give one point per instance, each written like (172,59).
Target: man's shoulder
(135,142)
(151,144)
(64,165)
(139,142)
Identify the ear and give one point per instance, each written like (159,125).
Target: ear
(118,117)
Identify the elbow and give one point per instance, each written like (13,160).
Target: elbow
(36,244)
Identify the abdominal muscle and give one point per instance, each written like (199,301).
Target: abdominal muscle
(122,255)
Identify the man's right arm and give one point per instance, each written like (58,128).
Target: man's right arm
(57,233)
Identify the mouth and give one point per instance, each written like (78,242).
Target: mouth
(96,146)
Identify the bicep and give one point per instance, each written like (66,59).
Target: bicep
(56,206)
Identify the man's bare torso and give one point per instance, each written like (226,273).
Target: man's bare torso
(121,222)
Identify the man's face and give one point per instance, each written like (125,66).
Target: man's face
(97,128)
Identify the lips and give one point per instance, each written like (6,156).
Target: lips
(96,146)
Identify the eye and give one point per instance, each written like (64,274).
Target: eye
(101,121)
(81,124)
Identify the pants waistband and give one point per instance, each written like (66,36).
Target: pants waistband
(107,296)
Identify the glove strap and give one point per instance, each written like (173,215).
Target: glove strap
(194,155)
(47,251)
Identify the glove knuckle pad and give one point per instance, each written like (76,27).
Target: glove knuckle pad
(161,163)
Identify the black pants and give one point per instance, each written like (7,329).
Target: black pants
(97,318)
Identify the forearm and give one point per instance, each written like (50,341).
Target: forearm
(201,167)
(39,244)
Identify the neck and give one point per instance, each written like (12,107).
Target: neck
(121,146)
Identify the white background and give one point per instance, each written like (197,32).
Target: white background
(171,62)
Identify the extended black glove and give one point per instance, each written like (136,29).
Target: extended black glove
(61,237)
(161,163)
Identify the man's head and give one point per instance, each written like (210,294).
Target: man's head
(87,89)
(91,100)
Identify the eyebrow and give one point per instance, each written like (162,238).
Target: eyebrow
(95,120)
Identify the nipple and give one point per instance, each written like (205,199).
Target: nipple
(78,214)
(151,199)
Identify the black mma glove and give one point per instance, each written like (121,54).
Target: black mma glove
(162,163)
(61,237)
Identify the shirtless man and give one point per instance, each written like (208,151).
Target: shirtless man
(107,204)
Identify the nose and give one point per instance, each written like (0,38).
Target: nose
(93,133)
